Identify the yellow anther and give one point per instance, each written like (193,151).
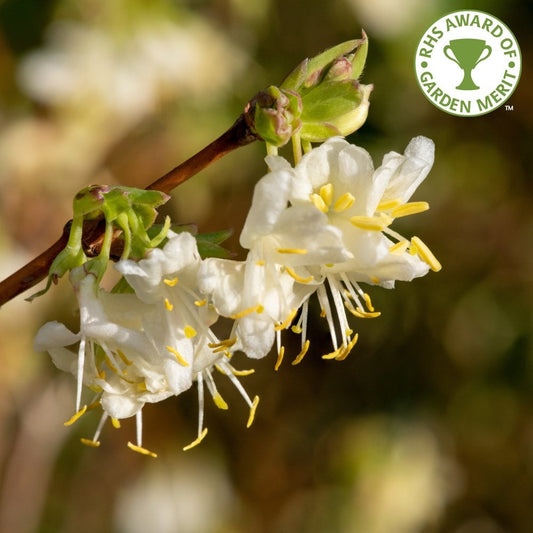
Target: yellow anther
(168,305)
(178,356)
(296,329)
(298,278)
(425,254)
(123,358)
(368,302)
(347,349)
(300,356)
(286,323)
(300,251)
(219,401)
(200,303)
(335,354)
(318,202)
(361,313)
(222,345)
(189,331)
(344,202)
(251,417)
(91,443)
(326,193)
(140,449)
(375,279)
(260,263)
(385,205)
(378,223)
(330,265)
(281,353)
(75,416)
(101,374)
(399,248)
(111,366)
(242,372)
(115,423)
(322,313)
(141,386)
(196,441)
(170,282)
(411,208)
(348,332)
(257,309)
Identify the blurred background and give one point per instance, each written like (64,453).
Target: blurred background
(426,427)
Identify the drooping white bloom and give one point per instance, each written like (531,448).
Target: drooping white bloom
(323,223)
(142,348)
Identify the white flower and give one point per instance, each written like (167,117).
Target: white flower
(325,222)
(143,347)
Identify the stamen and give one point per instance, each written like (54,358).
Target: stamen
(285,324)
(378,223)
(385,205)
(361,313)
(236,372)
(124,359)
(260,263)
(399,248)
(342,356)
(110,364)
(178,356)
(411,208)
(300,356)
(200,303)
(168,305)
(219,401)
(318,202)
(298,278)
(335,354)
(253,408)
(75,416)
(296,329)
(79,377)
(300,251)
(324,304)
(368,301)
(426,254)
(196,441)
(190,332)
(115,423)
(281,353)
(257,309)
(344,202)
(375,279)
(222,345)
(326,193)
(141,450)
(89,442)
(217,398)
(170,282)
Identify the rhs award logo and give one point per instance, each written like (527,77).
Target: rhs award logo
(468,63)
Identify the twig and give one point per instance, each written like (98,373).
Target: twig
(239,134)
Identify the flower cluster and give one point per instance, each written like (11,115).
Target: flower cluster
(321,227)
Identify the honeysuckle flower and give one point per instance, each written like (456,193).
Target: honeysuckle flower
(326,223)
(179,328)
(142,348)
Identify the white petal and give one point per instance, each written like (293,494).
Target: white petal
(270,198)
(53,335)
(255,335)
(413,168)
(120,405)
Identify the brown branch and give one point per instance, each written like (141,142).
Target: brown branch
(37,269)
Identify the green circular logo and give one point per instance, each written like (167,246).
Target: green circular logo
(468,63)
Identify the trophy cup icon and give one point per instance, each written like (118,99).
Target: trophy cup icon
(467,53)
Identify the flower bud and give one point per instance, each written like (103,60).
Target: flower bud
(274,115)
(334,108)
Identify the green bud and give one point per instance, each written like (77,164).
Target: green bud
(334,108)
(274,115)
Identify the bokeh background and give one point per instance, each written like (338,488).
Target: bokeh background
(426,427)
